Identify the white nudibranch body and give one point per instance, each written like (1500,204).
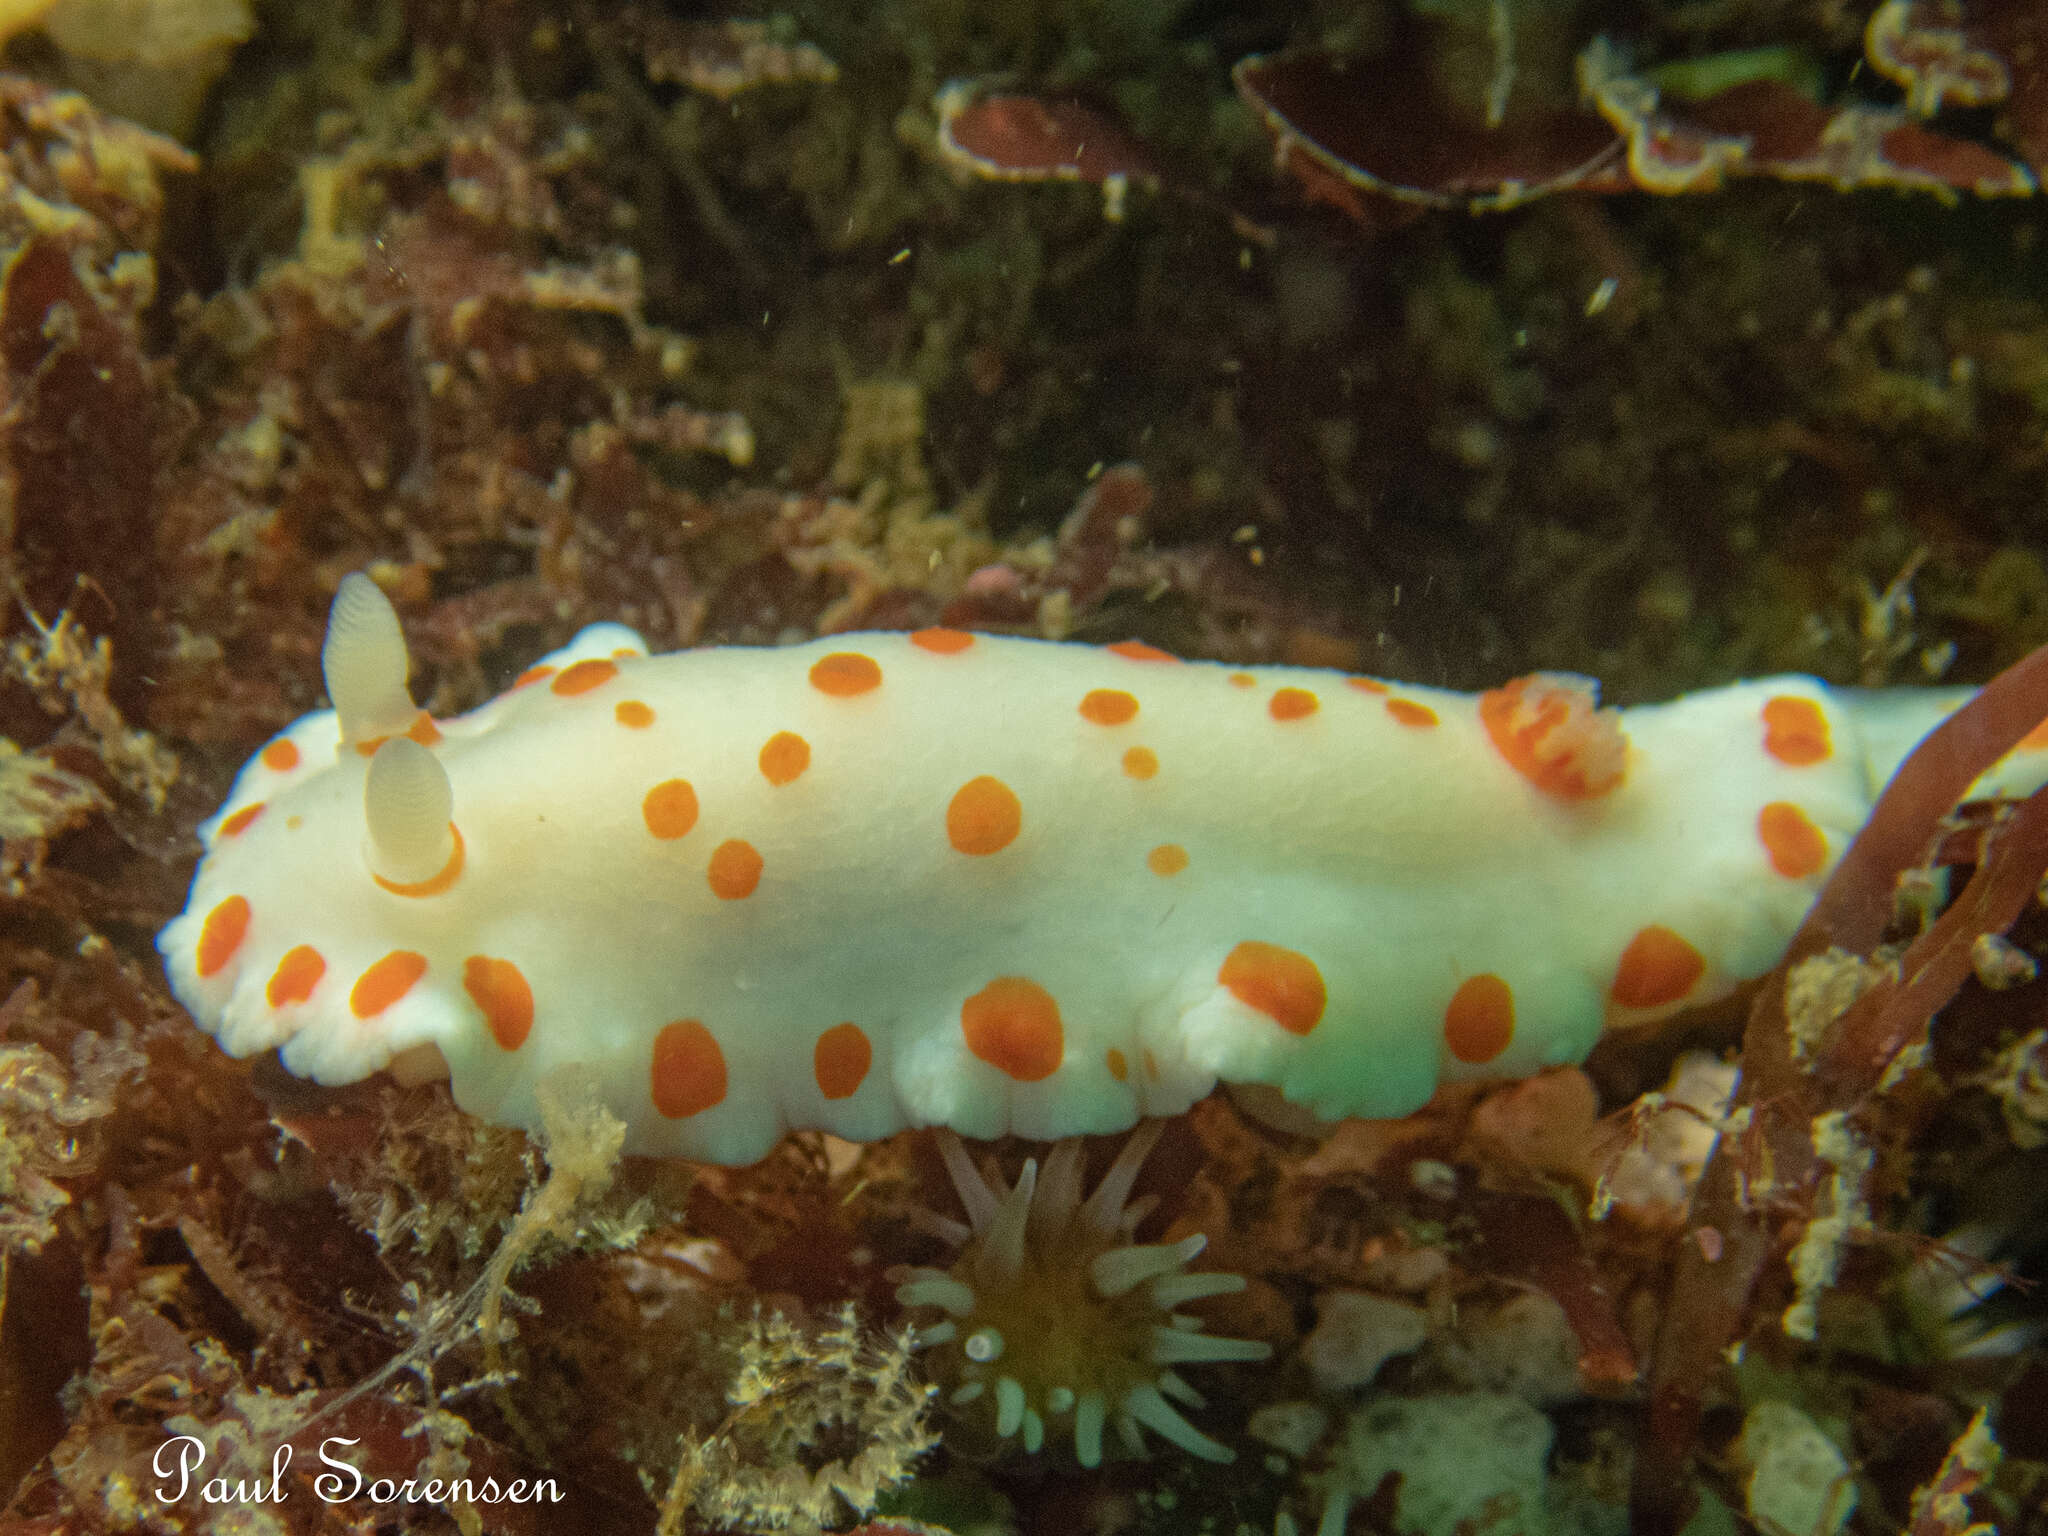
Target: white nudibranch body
(1002,886)
(1054,1324)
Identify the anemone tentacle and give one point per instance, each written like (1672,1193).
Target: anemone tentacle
(1053,1319)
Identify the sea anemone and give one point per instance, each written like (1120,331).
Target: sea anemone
(1054,1316)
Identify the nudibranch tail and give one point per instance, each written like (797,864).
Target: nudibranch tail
(365,664)
(1055,1317)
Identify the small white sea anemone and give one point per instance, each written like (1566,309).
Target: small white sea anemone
(1055,1317)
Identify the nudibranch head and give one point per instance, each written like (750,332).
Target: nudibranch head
(1055,1322)
(329,868)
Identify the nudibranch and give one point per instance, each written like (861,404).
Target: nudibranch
(1002,886)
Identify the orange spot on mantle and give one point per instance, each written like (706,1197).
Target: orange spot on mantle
(1138,650)
(1167,859)
(1479,1021)
(297,974)
(686,1070)
(583,676)
(1283,985)
(984,817)
(784,758)
(735,870)
(1794,845)
(385,982)
(669,809)
(1795,731)
(1292,704)
(222,934)
(1013,1024)
(1658,967)
(840,1060)
(1109,706)
(843,674)
(501,993)
(238,823)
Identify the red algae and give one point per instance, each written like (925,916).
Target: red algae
(1768,128)
(1008,137)
(1360,133)
(1972,53)
(1352,129)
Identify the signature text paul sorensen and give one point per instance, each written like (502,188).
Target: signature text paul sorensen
(182,1458)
